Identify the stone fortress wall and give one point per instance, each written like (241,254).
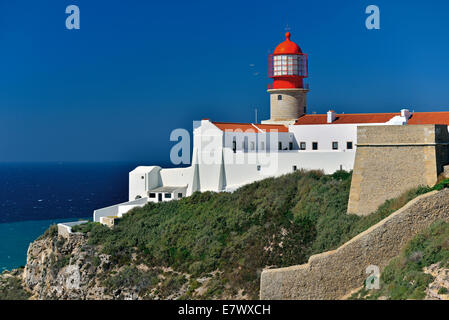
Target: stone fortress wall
(393,159)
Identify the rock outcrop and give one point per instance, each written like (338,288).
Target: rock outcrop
(65,268)
(438,289)
(68,268)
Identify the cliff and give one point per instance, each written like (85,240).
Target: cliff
(64,268)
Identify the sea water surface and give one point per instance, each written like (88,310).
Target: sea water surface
(35,195)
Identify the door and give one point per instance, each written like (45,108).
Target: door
(159,197)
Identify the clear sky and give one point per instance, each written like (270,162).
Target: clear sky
(136,70)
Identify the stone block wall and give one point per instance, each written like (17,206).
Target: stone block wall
(334,274)
(393,159)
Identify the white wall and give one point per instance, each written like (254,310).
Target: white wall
(115,209)
(279,163)
(215,167)
(142,179)
(174,195)
(175,177)
(326,134)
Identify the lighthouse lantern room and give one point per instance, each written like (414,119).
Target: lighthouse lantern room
(287,66)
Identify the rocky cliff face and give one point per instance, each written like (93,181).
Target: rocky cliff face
(68,268)
(437,290)
(64,268)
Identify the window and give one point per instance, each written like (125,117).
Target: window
(335,145)
(280,97)
(258,168)
(292,64)
(314,145)
(349,145)
(290,145)
(262,145)
(152,195)
(280,145)
(252,145)
(305,110)
(295,168)
(302,145)
(179,195)
(234,146)
(167,196)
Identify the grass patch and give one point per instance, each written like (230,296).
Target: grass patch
(11,289)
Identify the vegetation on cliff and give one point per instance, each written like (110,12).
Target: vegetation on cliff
(406,276)
(11,286)
(229,238)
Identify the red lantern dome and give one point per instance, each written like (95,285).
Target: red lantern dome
(287,47)
(287,65)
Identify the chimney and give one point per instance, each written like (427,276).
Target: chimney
(331,115)
(406,113)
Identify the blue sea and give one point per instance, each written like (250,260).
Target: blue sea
(35,195)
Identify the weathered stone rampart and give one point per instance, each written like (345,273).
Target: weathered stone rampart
(333,274)
(392,159)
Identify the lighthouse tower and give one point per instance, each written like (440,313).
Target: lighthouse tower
(288,68)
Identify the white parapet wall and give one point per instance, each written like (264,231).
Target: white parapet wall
(65,228)
(118,210)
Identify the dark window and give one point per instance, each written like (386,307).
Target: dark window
(152,195)
(179,195)
(335,145)
(258,168)
(167,196)
(295,168)
(280,97)
(349,145)
(290,146)
(280,146)
(302,146)
(305,110)
(314,145)
(234,146)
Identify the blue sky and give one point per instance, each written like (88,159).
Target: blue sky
(136,70)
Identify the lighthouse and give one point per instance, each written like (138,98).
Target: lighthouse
(287,66)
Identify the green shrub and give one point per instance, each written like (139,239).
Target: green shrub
(442,290)
(130,277)
(51,232)
(442,185)
(11,289)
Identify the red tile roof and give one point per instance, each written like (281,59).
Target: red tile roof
(429,118)
(272,127)
(346,118)
(249,127)
(416,118)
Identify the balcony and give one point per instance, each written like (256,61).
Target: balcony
(305,86)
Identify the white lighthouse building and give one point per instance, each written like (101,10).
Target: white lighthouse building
(226,156)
